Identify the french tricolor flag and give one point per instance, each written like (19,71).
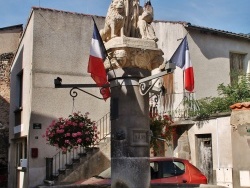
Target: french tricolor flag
(181,58)
(97,57)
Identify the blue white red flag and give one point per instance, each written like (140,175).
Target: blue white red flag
(181,58)
(96,67)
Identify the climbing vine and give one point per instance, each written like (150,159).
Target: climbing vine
(162,131)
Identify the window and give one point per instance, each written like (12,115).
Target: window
(20,88)
(236,65)
(21,150)
(171,168)
(166,169)
(20,91)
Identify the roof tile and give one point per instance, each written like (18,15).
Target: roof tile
(241,106)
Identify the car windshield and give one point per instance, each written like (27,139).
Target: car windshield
(166,169)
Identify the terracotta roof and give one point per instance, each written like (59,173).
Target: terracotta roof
(241,106)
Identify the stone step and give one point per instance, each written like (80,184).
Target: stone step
(76,162)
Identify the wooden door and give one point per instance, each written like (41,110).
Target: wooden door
(204,155)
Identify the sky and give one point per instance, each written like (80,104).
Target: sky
(228,15)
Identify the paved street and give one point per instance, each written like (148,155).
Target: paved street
(152,186)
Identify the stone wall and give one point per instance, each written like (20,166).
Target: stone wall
(240,122)
(4,104)
(183,146)
(5,64)
(9,40)
(5,61)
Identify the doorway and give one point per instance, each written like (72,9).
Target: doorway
(204,155)
(21,155)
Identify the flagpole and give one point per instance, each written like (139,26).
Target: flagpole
(179,44)
(179,58)
(105,50)
(184,94)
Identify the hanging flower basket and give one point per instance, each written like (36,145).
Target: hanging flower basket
(72,132)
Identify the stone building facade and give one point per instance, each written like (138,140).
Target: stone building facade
(9,40)
(5,60)
(56,44)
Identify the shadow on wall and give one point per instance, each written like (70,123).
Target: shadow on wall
(212,46)
(4,140)
(4,113)
(4,130)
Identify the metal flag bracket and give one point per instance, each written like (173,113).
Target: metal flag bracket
(74,87)
(146,85)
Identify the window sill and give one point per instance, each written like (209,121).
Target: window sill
(23,169)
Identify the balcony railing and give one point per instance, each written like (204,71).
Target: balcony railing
(180,106)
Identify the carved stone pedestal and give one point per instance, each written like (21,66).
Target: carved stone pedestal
(133,52)
(132,59)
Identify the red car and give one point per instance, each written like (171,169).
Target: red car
(163,170)
(175,170)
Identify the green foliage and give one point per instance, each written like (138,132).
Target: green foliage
(237,92)
(228,95)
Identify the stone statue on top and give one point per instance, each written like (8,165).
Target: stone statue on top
(128,18)
(146,30)
(129,37)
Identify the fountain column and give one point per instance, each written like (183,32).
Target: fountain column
(130,59)
(129,130)
(133,59)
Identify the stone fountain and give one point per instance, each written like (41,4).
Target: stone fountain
(131,45)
